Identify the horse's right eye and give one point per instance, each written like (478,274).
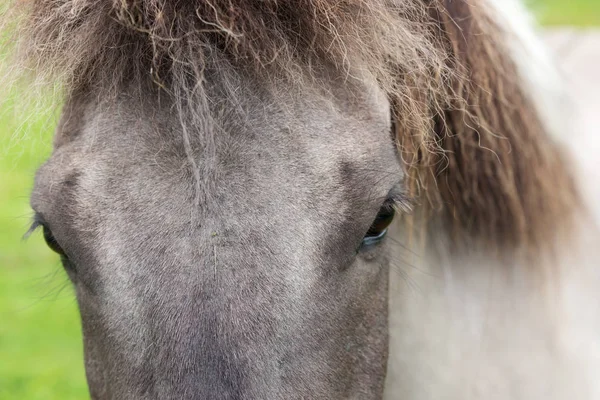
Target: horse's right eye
(51,241)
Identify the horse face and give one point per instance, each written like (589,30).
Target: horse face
(227,260)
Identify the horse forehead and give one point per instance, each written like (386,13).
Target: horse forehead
(334,106)
(343,120)
(276,181)
(325,140)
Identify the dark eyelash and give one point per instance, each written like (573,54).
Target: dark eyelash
(38,222)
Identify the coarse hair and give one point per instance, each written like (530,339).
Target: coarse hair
(478,159)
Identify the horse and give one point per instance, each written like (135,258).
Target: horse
(312,199)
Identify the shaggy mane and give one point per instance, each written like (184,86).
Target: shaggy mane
(477,156)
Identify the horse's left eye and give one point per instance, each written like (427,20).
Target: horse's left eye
(379,228)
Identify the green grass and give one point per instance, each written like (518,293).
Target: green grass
(40,340)
(581,13)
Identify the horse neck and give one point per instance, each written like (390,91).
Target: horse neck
(475,327)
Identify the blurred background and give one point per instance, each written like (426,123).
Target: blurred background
(40,340)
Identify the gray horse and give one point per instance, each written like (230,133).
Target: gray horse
(225,177)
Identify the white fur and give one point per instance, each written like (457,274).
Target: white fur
(472,329)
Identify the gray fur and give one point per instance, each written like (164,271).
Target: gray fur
(258,293)
(214,175)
